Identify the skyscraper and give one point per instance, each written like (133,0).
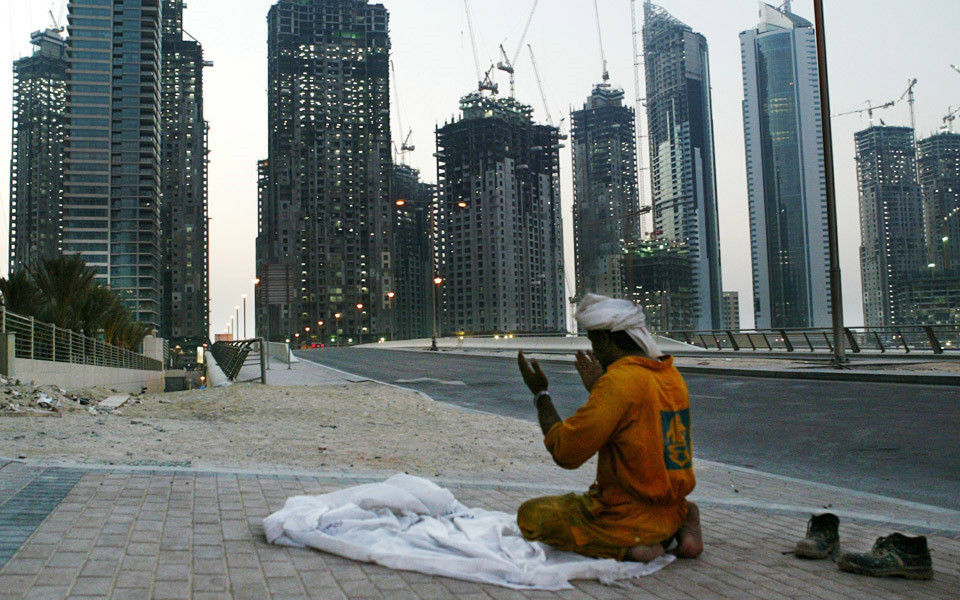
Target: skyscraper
(892,247)
(111,208)
(731,311)
(409,298)
(185,297)
(325,215)
(605,195)
(498,241)
(36,162)
(939,166)
(682,168)
(785,172)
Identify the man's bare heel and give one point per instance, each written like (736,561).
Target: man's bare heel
(689,536)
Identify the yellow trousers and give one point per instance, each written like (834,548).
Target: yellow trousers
(584,524)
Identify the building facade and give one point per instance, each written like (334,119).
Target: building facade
(498,241)
(36,160)
(939,168)
(785,172)
(111,207)
(185,290)
(659,277)
(605,194)
(892,248)
(682,166)
(324,213)
(731,311)
(410,302)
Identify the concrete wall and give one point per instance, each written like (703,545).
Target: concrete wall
(72,376)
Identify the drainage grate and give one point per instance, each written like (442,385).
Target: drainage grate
(24,511)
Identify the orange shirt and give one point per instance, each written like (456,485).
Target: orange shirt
(638,418)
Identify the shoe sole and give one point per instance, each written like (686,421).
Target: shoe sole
(906,572)
(801,552)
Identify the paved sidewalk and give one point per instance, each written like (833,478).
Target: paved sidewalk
(161,533)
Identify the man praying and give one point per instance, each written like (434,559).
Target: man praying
(638,418)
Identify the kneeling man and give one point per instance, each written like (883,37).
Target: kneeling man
(638,418)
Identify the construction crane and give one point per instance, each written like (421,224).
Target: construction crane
(484,82)
(405,145)
(603,55)
(638,110)
(950,118)
(507,64)
(869,109)
(955,68)
(543,95)
(910,100)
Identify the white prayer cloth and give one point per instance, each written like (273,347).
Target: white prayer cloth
(597,312)
(412,524)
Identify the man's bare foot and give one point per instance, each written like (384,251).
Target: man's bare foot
(645,553)
(689,536)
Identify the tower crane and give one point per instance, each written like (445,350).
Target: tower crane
(543,96)
(955,68)
(405,145)
(484,82)
(869,109)
(507,64)
(910,100)
(950,118)
(638,109)
(603,55)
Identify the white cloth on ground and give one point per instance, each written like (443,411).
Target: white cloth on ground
(597,312)
(412,524)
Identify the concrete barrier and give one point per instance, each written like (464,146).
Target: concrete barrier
(558,344)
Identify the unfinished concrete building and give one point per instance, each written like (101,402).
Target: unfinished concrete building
(324,210)
(36,160)
(498,242)
(605,193)
(409,296)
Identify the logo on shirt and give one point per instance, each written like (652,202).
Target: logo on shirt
(676,439)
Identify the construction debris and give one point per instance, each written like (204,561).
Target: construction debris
(25,399)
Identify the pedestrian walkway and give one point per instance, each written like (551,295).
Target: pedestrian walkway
(164,533)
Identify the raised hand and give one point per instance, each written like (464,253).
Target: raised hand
(531,373)
(589,368)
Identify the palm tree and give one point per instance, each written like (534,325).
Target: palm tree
(20,294)
(97,308)
(65,282)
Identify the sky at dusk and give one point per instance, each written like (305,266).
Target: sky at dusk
(874,48)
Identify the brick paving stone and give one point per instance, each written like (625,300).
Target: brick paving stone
(47,592)
(92,586)
(168,590)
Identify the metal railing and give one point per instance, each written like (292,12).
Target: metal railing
(941,340)
(232,357)
(37,340)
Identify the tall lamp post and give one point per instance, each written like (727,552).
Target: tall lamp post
(323,332)
(359,322)
(237,328)
(337,317)
(244,296)
(436,291)
(836,295)
(390,296)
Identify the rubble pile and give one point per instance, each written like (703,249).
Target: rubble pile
(25,399)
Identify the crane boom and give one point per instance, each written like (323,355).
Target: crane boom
(473,43)
(543,95)
(638,110)
(603,55)
(955,68)
(523,36)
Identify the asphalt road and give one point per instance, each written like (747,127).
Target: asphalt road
(896,440)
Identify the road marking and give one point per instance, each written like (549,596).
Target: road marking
(429,380)
(708,397)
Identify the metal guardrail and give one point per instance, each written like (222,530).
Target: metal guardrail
(43,341)
(232,356)
(941,340)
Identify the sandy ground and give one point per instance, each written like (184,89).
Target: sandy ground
(358,426)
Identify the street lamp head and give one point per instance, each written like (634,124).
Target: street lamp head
(337,315)
(391,295)
(307,329)
(236,307)
(438,280)
(296,335)
(256,281)
(319,323)
(244,296)
(359,306)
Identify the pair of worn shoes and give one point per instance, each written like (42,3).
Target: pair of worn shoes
(895,555)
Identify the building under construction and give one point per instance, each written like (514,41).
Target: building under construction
(185,291)
(658,276)
(939,168)
(605,192)
(324,203)
(498,241)
(36,165)
(682,167)
(409,300)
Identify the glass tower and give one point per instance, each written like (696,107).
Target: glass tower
(36,161)
(785,172)
(682,168)
(112,177)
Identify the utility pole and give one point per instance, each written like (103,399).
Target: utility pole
(836,293)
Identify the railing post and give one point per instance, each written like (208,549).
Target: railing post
(786,340)
(53,343)
(854,346)
(876,335)
(934,342)
(263,362)
(903,340)
(3,318)
(31,338)
(733,342)
(809,343)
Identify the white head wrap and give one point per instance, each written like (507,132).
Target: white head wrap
(601,313)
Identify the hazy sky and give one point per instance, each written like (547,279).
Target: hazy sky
(874,47)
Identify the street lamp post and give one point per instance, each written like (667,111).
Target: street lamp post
(323,331)
(237,328)
(359,322)
(256,300)
(337,317)
(390,296)
(436,291)
(244,296)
